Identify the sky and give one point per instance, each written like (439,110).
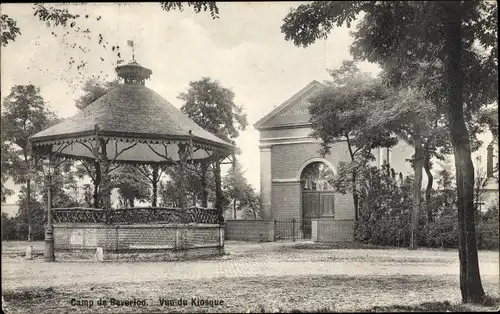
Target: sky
(244,49)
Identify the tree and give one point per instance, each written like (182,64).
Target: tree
(399,35)
(131,184)
(25,114)
(212,107)
(197,6)
(239,192)
(153,174)
(168,194)
(234,184)
(250,203)
(6,161)
(407,113)
(341,111)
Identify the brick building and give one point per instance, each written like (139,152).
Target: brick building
(294,175)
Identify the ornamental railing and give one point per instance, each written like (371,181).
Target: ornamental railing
(78,214)
(135,215)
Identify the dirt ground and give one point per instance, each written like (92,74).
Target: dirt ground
(251,277)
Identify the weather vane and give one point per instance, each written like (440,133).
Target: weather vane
(131,44)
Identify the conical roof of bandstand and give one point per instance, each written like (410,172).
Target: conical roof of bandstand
(128,113)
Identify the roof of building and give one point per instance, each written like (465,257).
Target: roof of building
(263,123)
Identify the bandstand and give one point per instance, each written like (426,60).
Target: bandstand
(132,124)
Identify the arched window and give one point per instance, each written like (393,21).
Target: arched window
(317,176)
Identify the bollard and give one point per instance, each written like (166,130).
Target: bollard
(274,230)
(29,252)
(99,254)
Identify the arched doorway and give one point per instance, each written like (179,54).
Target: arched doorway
(318,199)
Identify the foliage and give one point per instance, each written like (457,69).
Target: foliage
(385,214)
(197,6)
(8,228)
(38,212)
(168,194)
(241,194)
(488,229)
(6,160)
(25,114)
(53,16)
(131,185)
(458,38)
(341,109)
(9,29)
(385,208)
(212,107)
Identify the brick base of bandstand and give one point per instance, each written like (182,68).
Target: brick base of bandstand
(139,242)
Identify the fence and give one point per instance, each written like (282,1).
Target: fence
(135,215)
(268,230)
(291,229)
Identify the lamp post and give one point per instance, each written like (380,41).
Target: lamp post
(49,229)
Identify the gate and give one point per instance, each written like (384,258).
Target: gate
(291,229)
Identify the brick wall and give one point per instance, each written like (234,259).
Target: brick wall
(332,230)
(344,206)
(123,238)
(249,230)
(286,200)
(287,159)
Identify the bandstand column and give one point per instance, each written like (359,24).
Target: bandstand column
(154,181)
(105,184)
(97,183)
(181,170)
(218,191)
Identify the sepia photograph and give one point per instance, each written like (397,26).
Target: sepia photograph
(249,157)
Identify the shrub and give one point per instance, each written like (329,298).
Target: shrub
(385,211)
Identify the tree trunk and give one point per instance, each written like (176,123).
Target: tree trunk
(234,209)
(355,196)
(131,202)
(416,191)
(428,189)
(470,279)
(218,192)
(97,183)
(154,182)
(204,190)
